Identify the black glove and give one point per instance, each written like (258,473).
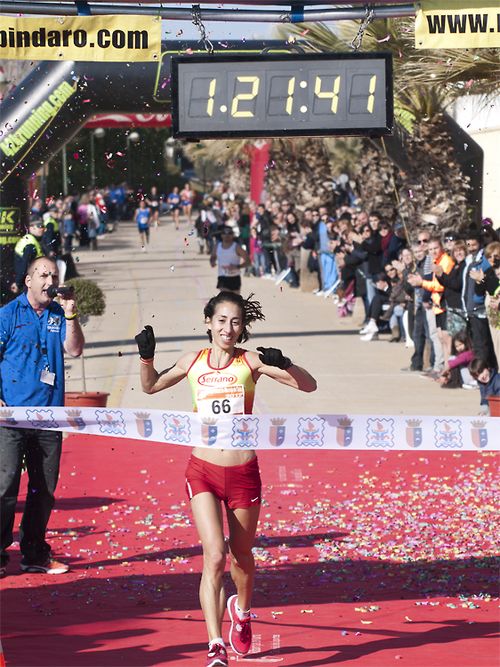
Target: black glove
(146,342)
(271,356)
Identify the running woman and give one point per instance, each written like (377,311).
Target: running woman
(187,198)
(230,258)
(142,216)
(174,202)
(153,201)
(215,476)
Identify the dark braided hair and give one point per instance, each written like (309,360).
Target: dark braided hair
(250,311)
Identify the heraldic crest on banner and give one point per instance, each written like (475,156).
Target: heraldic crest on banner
(209,431)
(6,418)
(380,432)
(311,432)
(344,431)
(414,433)
(41,418)
(479,434)
(144,424)
(74,418)
(448,433)
(177,428)
(245,433)
(111,422)
(277,431)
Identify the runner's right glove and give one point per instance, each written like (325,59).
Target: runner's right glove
(271,356)
(146,342)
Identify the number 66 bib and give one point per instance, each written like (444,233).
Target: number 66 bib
(221,400)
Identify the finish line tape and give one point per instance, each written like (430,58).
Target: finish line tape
(337,431)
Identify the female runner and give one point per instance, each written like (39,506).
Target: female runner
(214,476)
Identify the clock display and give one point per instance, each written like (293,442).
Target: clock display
(282,94)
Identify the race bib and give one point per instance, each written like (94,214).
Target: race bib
(213,401)
(231,270)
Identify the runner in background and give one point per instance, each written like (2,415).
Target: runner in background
(153,201)
(187,198)
(230,258)
(223,379)
(174,204)
(142,217)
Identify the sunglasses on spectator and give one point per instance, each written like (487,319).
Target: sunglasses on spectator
(391,270)
(423,241)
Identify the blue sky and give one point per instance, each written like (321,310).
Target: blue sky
(221,29)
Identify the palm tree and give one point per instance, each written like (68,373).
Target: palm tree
(422,178)
(414,175)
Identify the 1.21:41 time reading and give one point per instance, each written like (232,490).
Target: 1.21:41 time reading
(277,95)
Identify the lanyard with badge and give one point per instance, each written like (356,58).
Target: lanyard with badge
(46,375)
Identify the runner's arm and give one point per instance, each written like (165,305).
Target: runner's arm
(153,382)
(241,252)
(294,376)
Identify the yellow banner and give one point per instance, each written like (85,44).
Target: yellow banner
(94,38)
(457,24)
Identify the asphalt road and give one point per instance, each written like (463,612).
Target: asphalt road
(168,286)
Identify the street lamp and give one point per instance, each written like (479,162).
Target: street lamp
(132,138)
(98,133)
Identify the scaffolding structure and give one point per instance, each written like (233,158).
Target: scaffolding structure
(305,11)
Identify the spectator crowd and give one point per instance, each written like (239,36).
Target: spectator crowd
(437,292)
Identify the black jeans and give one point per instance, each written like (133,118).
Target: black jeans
(482,344)
(420,335)
(42,451)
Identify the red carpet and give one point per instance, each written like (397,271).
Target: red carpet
(366,558)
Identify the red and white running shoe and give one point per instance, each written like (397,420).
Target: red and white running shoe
(240,633)
(217,656)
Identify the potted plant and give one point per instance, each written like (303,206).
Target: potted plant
(89,301)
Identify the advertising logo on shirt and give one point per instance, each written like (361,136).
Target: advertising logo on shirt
(216,379)
(54,323)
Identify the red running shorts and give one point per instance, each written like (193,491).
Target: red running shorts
(238,487)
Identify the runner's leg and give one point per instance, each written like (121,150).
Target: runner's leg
(242,528)
(207,513)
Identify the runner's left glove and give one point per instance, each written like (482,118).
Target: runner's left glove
(271,356)
(146,342)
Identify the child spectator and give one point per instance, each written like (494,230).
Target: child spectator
(488,379)
(456,373)
(257,256)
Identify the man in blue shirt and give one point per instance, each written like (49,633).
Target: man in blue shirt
(34,333)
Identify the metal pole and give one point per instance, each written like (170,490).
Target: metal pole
(64,163)
(235,15)
(92,158)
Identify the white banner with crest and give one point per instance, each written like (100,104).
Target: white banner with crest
(315,431)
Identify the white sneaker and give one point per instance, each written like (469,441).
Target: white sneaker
(367,337)
(371,327)
(331,289)
(281,276)
(469,385)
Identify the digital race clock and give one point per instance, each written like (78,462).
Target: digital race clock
(282,95)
